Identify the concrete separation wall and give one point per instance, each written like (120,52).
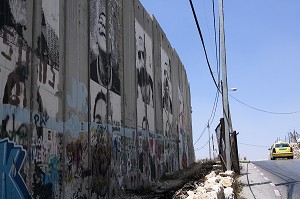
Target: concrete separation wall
(93,99)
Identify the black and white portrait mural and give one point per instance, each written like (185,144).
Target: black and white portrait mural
(49,39)
(104,66)
(13,17)
(104,55)
(144,74)
(166,93)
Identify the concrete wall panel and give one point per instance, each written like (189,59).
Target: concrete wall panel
(129,81)
(76,136)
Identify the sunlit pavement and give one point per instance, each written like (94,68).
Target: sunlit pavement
(255,184)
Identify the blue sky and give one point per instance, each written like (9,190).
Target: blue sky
(263,63)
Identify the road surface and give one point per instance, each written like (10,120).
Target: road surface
(285,174)
(271,179)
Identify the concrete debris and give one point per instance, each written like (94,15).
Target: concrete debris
(211,175)
(214,187)
(227,173)
(227,181)
(296,150)
(228,191)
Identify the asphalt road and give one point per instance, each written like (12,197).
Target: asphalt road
(284,174)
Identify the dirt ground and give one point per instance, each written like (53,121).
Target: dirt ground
(177,184)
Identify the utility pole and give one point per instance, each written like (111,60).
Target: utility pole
(225,88)
(209,148)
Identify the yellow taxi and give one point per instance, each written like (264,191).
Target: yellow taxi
(281,150)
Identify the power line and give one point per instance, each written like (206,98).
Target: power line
(218,63)
(202,146)
(216,45)
(212,115)
(202,41)
(253,145)
(201,134)
(261,110)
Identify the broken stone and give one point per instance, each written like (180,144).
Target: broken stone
(227,173)
(227,181)
(228,192)
(211,175)
(191,195)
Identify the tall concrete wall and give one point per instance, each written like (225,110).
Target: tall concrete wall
(94,100)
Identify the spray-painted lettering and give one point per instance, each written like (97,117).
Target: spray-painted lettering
(11,159)
(41,119)
(42,73)
(5,41)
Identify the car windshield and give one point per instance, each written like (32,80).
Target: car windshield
(281,145)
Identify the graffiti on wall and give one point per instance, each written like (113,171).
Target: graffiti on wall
(78,98)
(101,147)
(12,157)
(14,95)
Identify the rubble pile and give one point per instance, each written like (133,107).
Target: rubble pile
(216,186)
(296,150)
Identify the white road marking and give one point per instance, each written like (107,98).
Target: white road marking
(267,179)
(277,193)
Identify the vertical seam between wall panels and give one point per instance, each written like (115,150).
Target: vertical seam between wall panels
(31,86)
(64,92)
(89,105)
(135,86)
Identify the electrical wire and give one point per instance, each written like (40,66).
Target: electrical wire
(202,41)
(253,145)
(212,115)
(202,146)
(261,110)
(218,63)
(216,45)
(204,129)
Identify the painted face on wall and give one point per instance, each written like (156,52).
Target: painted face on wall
(167,74)
(103,65)
(167,87)
(141,53)
(99,115)
(101,31)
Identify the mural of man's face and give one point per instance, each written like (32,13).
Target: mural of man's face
(140,53)
(101,31)
(100,109)
(166,79)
